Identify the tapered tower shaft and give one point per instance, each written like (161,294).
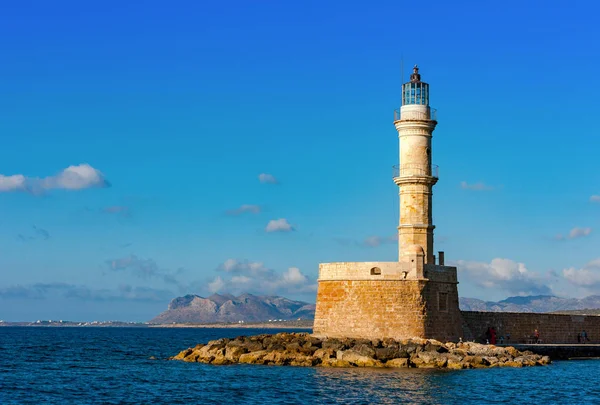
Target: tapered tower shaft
(415,175)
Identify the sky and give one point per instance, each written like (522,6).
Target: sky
(155,149)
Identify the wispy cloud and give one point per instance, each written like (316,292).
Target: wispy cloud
(505,275)
(40,291)
(72,178)
(480,186)
(41,232)
(369,242)
(267,178)
(237,276)
(279,225)
(117,210)
(595,199)
(143,268)
(575,233)
(38,233)
(246,208)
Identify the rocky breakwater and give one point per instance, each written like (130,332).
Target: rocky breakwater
(302,349)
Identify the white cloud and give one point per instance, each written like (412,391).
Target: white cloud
(375,241)
(575,233)
(235,266)
(216,285)
(267,178)
(279,225)
(480,186)
(12,183)
(587,277)
(294,276)
(241,276)
(595,198)
(506,275)
(72,178)
(254,209)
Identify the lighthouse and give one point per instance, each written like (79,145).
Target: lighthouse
(415,175)
(413,296)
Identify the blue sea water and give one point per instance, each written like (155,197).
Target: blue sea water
(113,366)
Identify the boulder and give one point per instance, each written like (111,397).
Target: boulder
(333,362)
(358,359)
(397,363)
(323,354)
(389,353)
(429,360)
(253,357)
(364,349)
(233,353)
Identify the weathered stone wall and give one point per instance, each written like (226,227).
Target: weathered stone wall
(370,309)
(443,320)
(352,302)
(521,326)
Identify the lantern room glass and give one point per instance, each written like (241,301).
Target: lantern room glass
(415,93)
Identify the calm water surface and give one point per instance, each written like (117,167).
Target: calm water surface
(112,366)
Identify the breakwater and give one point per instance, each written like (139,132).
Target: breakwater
(303,349)
(563,351)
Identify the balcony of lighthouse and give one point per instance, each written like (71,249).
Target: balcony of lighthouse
(421,113)
(410,170)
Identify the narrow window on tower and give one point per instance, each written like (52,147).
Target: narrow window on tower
(443,301)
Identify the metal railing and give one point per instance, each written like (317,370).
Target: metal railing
(416,115)
(414,169)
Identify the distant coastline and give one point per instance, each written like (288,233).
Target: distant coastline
(298,324)
(303,324)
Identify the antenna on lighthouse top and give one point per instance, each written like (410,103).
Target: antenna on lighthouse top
(401,78)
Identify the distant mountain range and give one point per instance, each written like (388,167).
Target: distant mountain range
(535,303)
(227,308)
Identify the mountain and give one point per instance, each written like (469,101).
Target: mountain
(534,303)
(227,308)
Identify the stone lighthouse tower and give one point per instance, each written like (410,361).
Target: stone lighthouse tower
(415,175)
(414,296)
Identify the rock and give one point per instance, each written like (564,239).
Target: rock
(397,363)
(276,347)
(323,354)
(183,354)
(455,362)
(429,360)
(253,357)
(358,359)
(364,350)
(220,359)
(527,360)
(545,360)
(295,346)
(253,346)
(335,363)
(233,353)
(389,353)
(511,364)
(334,344)
(281,358)
(490,361)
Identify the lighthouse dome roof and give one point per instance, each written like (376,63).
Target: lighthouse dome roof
(418,249)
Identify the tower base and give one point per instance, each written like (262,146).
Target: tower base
(376,300)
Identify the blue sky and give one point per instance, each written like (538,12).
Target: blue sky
(140,130)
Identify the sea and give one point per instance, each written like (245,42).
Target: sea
(100,365)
